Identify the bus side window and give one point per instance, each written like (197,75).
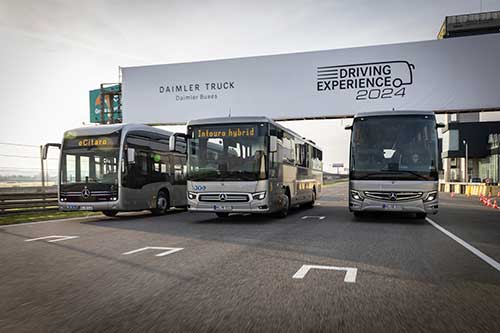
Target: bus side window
(276,158)
(160,170)
(288,155)
(179,171)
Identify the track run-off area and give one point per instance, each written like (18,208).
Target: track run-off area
(317,269)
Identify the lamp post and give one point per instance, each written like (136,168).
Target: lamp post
(466,161)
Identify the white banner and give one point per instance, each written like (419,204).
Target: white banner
(438,75)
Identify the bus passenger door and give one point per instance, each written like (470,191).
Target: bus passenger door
(178,180)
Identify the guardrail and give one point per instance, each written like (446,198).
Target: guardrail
(13,203)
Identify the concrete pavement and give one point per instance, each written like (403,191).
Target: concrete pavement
(237,273)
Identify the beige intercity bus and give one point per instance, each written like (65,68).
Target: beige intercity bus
(250,165)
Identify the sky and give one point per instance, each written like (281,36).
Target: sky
(54,52)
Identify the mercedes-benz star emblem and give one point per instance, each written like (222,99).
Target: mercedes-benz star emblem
(86,192)
(222,197)
(393,196)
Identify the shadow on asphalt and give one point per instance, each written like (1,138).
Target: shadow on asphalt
(388,218)
(126,216)
(248,218)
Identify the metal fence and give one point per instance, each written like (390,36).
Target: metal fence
(29,200)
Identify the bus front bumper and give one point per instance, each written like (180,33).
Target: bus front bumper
(88,206)
(412,206)
(229,207)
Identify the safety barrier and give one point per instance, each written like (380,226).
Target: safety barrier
(13,203)
(470,188)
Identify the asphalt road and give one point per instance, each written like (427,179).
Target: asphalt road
(236,274)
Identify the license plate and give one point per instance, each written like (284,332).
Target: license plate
(86,208)
(218,208)
(392,207)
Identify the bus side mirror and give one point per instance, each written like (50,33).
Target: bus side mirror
(178,143)
(273,144)
(131,155)
(45,149)
(348,127)
(440,125)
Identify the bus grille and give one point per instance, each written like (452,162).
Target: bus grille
(94,196)
(393,196)
(229,197)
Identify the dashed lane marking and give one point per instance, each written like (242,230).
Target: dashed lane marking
(170,250)
(350,275)
(313,217)
(54,238)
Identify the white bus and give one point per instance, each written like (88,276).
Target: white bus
(122,167)
(394,163)
(250,165)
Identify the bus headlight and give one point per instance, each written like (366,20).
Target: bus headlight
(259,195)
(191,195)
(431,196)
(356,195)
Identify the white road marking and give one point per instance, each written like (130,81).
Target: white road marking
(170,250)
(52,221)
(469,247)
(350,275)
(56,238)
(313,217)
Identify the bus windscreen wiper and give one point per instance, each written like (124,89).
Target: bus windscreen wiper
(415,174)
(383,173)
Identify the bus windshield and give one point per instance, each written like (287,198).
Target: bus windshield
(90,160)
(394,148)
(229,152)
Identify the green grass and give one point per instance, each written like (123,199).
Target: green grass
(41,216)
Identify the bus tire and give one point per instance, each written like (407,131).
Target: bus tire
(357,214)
(421,216)
(222,215)
(110,213)
(313,200)
(162,204)
(286,207)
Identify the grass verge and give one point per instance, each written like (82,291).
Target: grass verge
(334,182)
(41,216)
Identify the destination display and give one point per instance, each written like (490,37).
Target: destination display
(233,132)
(101,141)
(439,75)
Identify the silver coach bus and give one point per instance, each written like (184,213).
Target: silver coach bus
(394,163)
(122,167)
(250,165)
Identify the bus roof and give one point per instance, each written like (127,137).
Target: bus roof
(108,129)
(394,113)
(241,120)
(230,120)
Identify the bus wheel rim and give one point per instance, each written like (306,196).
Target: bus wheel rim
(162,203)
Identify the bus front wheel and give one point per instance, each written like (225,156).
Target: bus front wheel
(358,214)
(162,204)
(110,213)
(286,206)
(311,203)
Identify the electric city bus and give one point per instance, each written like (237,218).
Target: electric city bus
(123,167)
(250,165)
(394,163)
